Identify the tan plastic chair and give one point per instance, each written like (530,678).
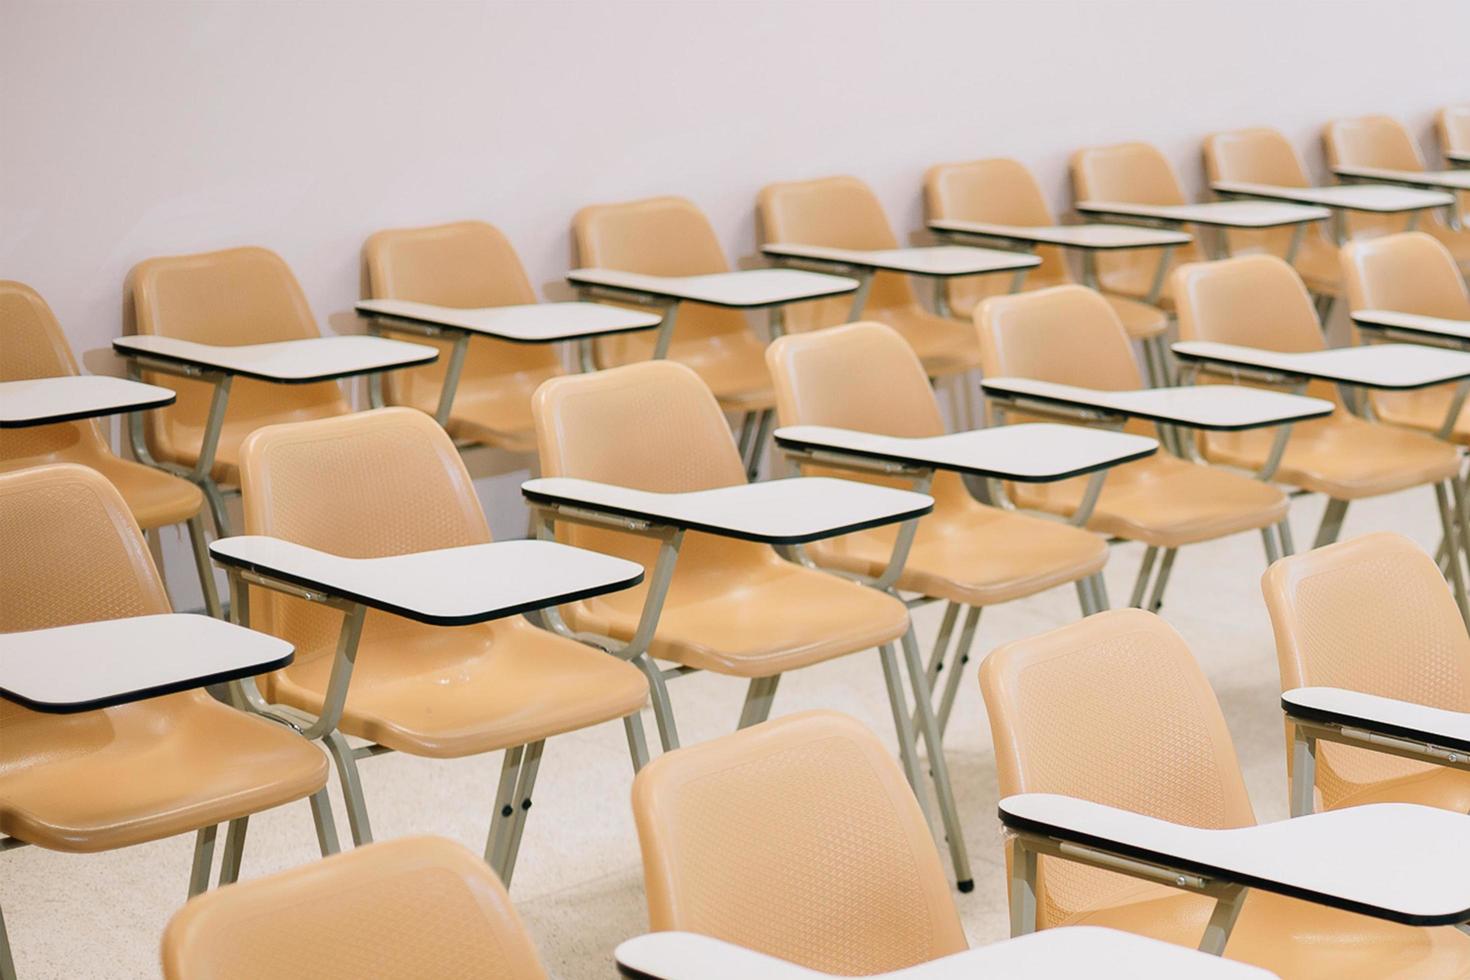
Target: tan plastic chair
(1412,273)
(732,607)
(113,777)
(1452,126)
(1070,335)
(389,482)
(34,347)
(1264,156)
(1115,710)
(1136,173)
(466,265)
(843,212)
(1381,141)
(864,376)
(1004,192)
(669,236)
(1372,614)
(413,908)
(1259,301)
(798,838)
(235,296)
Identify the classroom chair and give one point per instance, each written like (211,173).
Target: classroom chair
(109,778)
(843,212)
(416,907)
(1382,141)
(864,376)
(1115,710)
(1137,173)
(1001,191)
(670,236)
(390,482)
(1370,614)
(35,347)
(466,265)
(798,838)
(1070,335)
(1260,301)
(1264,156)
(1452,126)
(1410,272)
(235,296)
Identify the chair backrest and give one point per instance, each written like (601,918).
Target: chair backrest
(33,346)
(1112,709)
(861,376)
(1066,334)
(798,838)
(227,298)
(1453,128)
(651,426)
(73,554)
(1136,173)
(659,236)
(1411,272)
(1251,300)
(998,191)
(1371,141)
(838,212)
(1370,614)
(366,485)
(1260,155)
(397,910)
(466,265)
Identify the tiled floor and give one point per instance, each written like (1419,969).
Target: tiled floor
(578,885)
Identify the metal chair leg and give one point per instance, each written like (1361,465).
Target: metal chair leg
(200,547)
(663,709)
(496,839)
(1273,551)
(7,964)
(957,667)
(938,763)
(942,638)
(324,822)
(357,817)
(1303,774)
(758,699)
(1457,574)
(524,786)
(1141,583)
(229,869)
(758,448)
(1084,597)
(1222,921)
(1156,600)
(1100,592)
(1283,532)
(1022,888)
(203,860)
(637,744)
(1331,525)
(903,725)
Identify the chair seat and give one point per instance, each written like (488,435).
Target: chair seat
(1424,409)
(493,411)
(152,769)
(155,498)
(1448,789)
(1319,264)
(1458,242)
(1134,281)
(731,362)
(974,555)
(1294,939)
(1140,320)
(452,692)
(753,619)
(944,345)
(226,470)
(1165,501)
(1343,456)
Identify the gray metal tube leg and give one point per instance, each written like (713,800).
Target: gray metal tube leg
(229,869)
(203,860)
(938,763)
(1331,525)
(758,699)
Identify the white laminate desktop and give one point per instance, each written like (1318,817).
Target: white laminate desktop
(1210,407)
(44,401)
(1441,328)
(744,289)
(1223,214)
(1405,719)
(1376,198)
(1097,237)
(284,362)
(937,260)
(529,323)
(1457,180)
(1386,366)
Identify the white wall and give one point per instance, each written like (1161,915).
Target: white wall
(132,129)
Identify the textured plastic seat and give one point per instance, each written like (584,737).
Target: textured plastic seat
(1259,301)
(1003,191)
(842,212)
(798,838)
(113,777)
(1372,614)
(1264,156)
(466,265)
(417,907)
(1069,335)
(231,297)
(424,690)
(669,236)
(863,376)
(1138,174)
(1381,141)
(734,607)
(1411,273)
(1114,709)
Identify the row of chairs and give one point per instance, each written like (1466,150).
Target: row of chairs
(799,838)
